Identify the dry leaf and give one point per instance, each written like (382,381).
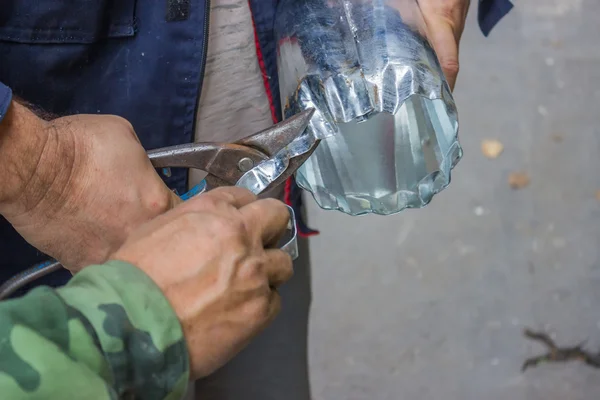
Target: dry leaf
(518,180)
(557,138)
(491,148)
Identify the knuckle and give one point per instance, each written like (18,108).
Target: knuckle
(252,268)
(233,229)
(276,204)
(207,202)
(446,12)
(450,65)
(122,126)
(212,202)
(261,308)
(234,225)
(158,202)
(122,121)
(233,192)
(189,221)
(226,193)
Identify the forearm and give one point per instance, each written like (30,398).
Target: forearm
(20,149)
(109,332)
(36,162)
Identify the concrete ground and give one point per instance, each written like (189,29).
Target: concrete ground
(431,303)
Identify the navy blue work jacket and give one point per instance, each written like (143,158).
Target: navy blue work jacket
(140,59)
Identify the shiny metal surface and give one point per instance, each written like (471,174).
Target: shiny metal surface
(224,162)
(285,162)
(384,112)
(289,242)
(219,160)
(26,277)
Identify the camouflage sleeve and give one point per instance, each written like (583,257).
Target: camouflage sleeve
(109,334)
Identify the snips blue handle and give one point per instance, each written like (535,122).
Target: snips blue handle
(194,191)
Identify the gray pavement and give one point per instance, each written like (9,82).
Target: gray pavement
(431,303)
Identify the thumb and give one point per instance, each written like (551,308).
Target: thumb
(442,38)
(175,200)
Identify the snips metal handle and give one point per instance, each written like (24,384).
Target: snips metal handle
(289,242)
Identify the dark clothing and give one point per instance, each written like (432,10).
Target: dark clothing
(102,56)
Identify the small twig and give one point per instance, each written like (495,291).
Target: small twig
(558,354)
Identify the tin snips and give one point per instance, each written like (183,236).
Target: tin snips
(258,162)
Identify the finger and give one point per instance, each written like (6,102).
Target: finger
(124,124)
(233,195)
(267,219)
(175,200)
(444,42)
(172,199)
(274,307)
(278,267)
(221,200)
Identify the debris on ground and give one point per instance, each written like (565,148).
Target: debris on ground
(598,195)
(557,138)
(491,148)
(518,180)
(558,354)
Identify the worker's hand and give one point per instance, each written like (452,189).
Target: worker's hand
(81,187)
(213,258)
(445,21)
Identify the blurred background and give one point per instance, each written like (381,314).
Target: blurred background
(431,303)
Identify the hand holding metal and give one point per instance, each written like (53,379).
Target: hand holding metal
(226,165)
(384,110)
(247,163)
